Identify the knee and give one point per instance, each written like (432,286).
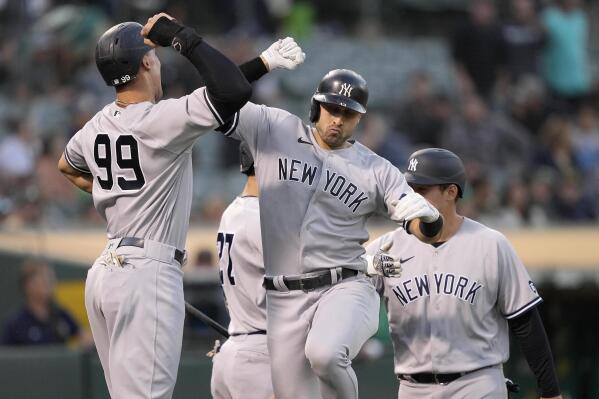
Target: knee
(324,360)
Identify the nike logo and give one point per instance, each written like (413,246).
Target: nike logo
(301,140)
(402,261)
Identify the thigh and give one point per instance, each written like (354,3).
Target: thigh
(288,319)
(251,372)
(487,383)
(412,390)
(222,364)
(346,316)
(97,322)
(143,304)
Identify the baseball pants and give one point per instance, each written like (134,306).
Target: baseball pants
(136,312)
(241,369)
(313,337)
(487,383)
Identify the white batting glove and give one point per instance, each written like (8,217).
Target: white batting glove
(412,206)
(382,263)
(284,53)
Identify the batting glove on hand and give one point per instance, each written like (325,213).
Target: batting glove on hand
(412,206)
(383,263)
(284,53)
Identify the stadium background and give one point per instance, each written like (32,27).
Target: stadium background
(529,135)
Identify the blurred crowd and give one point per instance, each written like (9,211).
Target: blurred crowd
(522,108)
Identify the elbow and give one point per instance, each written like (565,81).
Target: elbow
(245,93)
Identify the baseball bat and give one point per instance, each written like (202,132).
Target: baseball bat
(197,313)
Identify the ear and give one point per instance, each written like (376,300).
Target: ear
(147,61)
(452,192)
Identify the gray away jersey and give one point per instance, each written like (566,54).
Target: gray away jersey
(239,246)
(448,311)
(140,159)
(314,204)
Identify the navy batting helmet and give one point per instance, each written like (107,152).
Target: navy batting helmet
(246,161)
(432,166)
(119,52)
(340,87)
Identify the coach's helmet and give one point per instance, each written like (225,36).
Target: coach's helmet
(119,53)
(433,166)
(246,161)
(340,87)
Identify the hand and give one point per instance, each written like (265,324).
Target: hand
(284,53)
(145,31)
(382,263)
(412,206)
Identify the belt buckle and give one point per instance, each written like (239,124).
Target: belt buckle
(301,284)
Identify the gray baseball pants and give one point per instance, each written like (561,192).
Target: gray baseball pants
(487,383)
(313,337)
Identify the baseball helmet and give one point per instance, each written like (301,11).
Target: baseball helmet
(246,161)
(340,87)
(119,52)
(432,166)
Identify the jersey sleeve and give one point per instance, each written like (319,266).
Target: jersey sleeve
(517,293)
(392,184)
(176,123)
(73,153)
(254,122)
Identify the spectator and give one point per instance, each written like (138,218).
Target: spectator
(377,135)
(518,209)
(17,154)
(487,141)
(424,113)
(57,196)
(566,65)
(585,137)
(524,37)
(528,104)
(478,48)
(570,203)
(40,321)
(556,151)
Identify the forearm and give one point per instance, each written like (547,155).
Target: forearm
(532,338)
(227,88)
(425,232)
(84,182)
(254,69)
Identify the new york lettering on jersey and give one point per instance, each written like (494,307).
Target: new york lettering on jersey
(336,184)
(411,289)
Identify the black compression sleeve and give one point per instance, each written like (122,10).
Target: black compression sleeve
(530,333)
(227,89)
(433,228)
(253,69)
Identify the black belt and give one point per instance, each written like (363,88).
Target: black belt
(139,243)
(261,332)
(311,281)
(430,378)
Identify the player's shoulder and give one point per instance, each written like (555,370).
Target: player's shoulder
(370,158)
(482,232)
(240,208)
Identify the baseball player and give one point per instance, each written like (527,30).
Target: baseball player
(241,369)
(134,157)
(317,190)
(451,310)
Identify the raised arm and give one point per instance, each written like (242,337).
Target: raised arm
(227,88)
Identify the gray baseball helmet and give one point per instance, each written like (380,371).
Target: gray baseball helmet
(432,166)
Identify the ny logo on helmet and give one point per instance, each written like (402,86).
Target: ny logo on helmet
(412,166)
(346,90)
